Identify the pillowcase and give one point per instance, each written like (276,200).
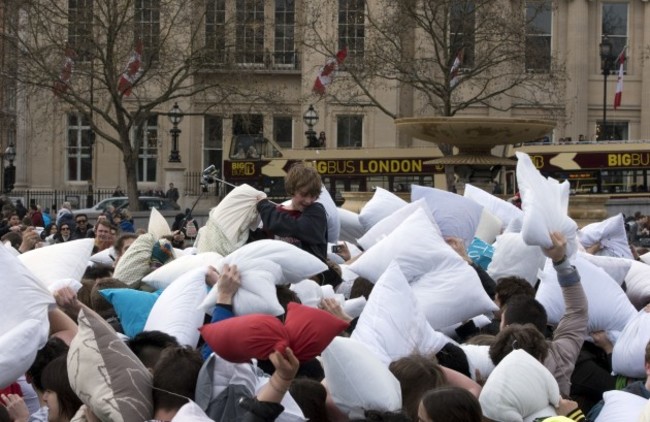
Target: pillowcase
(106,375)
(191,412)
(391,324)
(503,210)
(60,261)
(489,227)
(628,357)
(135,263)
(478,358)
(176,312)
(351,228)
(617,268)
(354,307)
(415,244)
(610,233)
(132,307)
(456,216)
(307,331)
(18,348)
(309,292)
(513,257)
(105,258)
(545,202)
(158,225)
(385,226)
(357,380)
(609,307)
(333,222)
(162,277)
(519,387)
(621,406)
(382,204)
(637,281)
(480,253)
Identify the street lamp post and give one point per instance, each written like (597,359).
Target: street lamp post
(175,117)
(606,65)
(311,118)
(10,172)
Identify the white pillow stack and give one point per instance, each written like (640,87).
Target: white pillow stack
(611,235)
(513,257)
(351,228)
(503,210)
(391,325)
(357,380)
(381,205)
(628,357)
(456,216)
(58,262)
(637,281)
(162,277)
(609,307)
(333,221)
(545,203)
(158,225)
(621,406)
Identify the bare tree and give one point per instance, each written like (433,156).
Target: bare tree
(187,51)
(442,57)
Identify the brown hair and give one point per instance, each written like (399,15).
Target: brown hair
(508,287)
(175,372)
(516,336)
(100,305)
(647,353)
(303,178)
(451,404)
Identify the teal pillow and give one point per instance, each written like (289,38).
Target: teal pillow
(480,252)
(132,307)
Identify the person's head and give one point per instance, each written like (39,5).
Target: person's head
(49,229)
(449,404)
(148,345)
(123,243)
(33,207)
(523,309)
(453,357)
(103,231)
(303,184)
(67,206)
(81,220)
(508,287)
(14,219)
(102,306)
(361,287)
(515,336)
(176,371)
(64,230)
(61,401)
(481,340)
(54,347)
(171,186)
(286,295)
(310,396)
(15,239)
(416,374)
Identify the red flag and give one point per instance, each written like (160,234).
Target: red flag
(61,85)
(326,74)
(132,71)
(454,74)
(619,82)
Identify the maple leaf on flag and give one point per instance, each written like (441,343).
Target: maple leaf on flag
(327,72)
(132,70)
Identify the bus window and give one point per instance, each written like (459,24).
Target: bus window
(252,147)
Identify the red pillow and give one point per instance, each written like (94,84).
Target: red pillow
(311,330)
(240,339)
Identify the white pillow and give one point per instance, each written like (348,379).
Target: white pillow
(60,261)
(158,225)
(513,257)
(628,357)
(391,324)
(357,380)
(11,249)
(519,387)
(136,261)
(621,406)
(456,216)
(382,204)
(176,312)
(385,226)
(489,227)
(617,268)
(191,412)
(637,281)
(18,348)
(354,307)
(609,308)
(610,233)
(478,358)
(309,292)
(412,244)
(291,412)
(545,203)
(162,277)
(351,228)
(503,210)
(333,222)
(105,257)
(59,284)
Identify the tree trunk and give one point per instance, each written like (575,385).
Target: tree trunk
(131,166)
(450,175)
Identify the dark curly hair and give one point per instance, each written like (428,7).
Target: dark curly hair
(516,336)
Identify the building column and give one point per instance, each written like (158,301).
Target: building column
(577,67)
(644,129)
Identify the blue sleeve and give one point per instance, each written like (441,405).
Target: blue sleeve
(221,312)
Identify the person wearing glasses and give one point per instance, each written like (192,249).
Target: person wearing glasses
(63,234)
(83,229)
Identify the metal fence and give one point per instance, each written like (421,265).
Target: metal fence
(52,199)
(194,185)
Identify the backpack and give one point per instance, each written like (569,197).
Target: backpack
(190,228)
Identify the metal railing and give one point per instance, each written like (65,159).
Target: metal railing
(52,199)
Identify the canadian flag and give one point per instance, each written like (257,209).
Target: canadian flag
(619,81)
(326,74)
(454,73)
(132,71)
(61,85)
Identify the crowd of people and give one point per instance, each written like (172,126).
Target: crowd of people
(437,384)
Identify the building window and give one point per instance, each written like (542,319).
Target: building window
(147,28)
(215,30)
(613,131)
(539,18)
(147,134)
(615,26)
(462,37)
(352,28)
(79,148)
(249,31)
(349,131)
(283,131)
(80,28)
(213,141)
(285,18)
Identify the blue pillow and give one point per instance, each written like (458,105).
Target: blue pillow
(480,252)
(132,307)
